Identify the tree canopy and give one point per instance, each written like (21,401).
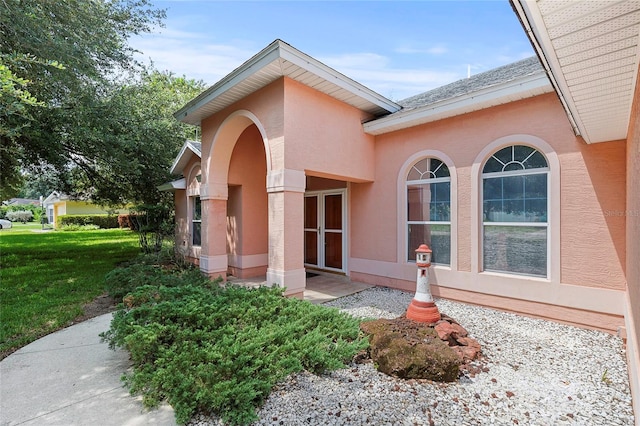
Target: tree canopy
(75,104)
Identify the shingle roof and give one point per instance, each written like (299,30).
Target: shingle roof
(477,82)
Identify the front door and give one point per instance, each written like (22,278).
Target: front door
(324,230)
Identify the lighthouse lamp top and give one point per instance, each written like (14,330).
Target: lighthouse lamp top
(423,256)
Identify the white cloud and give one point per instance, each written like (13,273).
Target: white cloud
(190,55)
(432,50)
(375,72)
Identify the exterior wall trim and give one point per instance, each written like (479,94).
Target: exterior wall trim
(522,88)
(633,355)
(213,264)
(248,260)
(503,285)
(286,180)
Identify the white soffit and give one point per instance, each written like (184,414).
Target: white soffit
(273,62)
(591,50)
(515,90)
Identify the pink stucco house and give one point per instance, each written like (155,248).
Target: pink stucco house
(523,179)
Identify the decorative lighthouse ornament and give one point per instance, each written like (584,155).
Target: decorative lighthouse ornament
(422,308)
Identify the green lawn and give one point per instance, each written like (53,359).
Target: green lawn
(46,277)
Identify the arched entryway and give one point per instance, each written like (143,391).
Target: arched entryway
(252,213)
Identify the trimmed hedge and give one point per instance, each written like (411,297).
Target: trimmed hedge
(103,221)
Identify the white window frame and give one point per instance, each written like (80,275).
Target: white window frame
(194,200)
(403,222)
(553,206)
(193,192)
(512,173)
(429,181)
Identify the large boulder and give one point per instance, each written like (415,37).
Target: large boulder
(411,350)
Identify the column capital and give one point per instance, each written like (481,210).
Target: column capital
(286,180)
(214,191)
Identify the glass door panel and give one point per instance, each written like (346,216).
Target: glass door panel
(311,230)
(333,250)
(324,230)
(332,234)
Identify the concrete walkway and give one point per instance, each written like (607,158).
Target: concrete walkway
(71,378)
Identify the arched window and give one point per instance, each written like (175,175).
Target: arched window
(515,188)
(195,207)
(429,209)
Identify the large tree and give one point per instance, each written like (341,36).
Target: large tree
(75,97)
(132,138)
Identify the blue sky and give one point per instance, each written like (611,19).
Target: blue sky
(396,48)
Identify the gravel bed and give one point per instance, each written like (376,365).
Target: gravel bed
(534,372)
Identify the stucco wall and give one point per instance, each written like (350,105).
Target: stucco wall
(267,106)
(591,241)
(324,137)
(247,218)
(632,216)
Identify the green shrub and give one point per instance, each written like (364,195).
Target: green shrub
(203,347)
(36,211)
(103,221)
(23,216)
(124,280)
(73,227)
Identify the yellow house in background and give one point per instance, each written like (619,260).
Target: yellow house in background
(59,204)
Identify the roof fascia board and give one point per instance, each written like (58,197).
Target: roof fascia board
(533,24)
(177,165)
(253,65)
(460,105)
(316,67)
(173,185)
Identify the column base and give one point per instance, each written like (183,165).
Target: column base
(426,312)
(294,281)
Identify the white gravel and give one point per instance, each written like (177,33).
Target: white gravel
(536,373)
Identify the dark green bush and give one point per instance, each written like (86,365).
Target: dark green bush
(124,280)
(222,349)
(104,221)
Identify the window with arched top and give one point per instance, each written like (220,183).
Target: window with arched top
(428,187)
(515,192)
(195,207)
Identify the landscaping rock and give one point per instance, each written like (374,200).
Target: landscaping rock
(408,349)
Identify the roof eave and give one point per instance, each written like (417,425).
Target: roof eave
(531,23)
(188,113)
(173,185)
(192,113)
(522,88)
(183,157)
(596,113)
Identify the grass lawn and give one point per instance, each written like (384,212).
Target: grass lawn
(46,277)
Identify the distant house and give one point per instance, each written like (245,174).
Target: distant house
(21,202)
(59,204)
(523,179)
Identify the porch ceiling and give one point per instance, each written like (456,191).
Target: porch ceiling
(590,49)
(273,62)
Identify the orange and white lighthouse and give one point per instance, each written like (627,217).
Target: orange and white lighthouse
(422,308)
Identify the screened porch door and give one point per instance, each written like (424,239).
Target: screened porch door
(324,236)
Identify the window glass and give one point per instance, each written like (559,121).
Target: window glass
(515,198)
(429,209)
(516,157)
(196,222)
(516,249)
(514,191)
(436,236)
